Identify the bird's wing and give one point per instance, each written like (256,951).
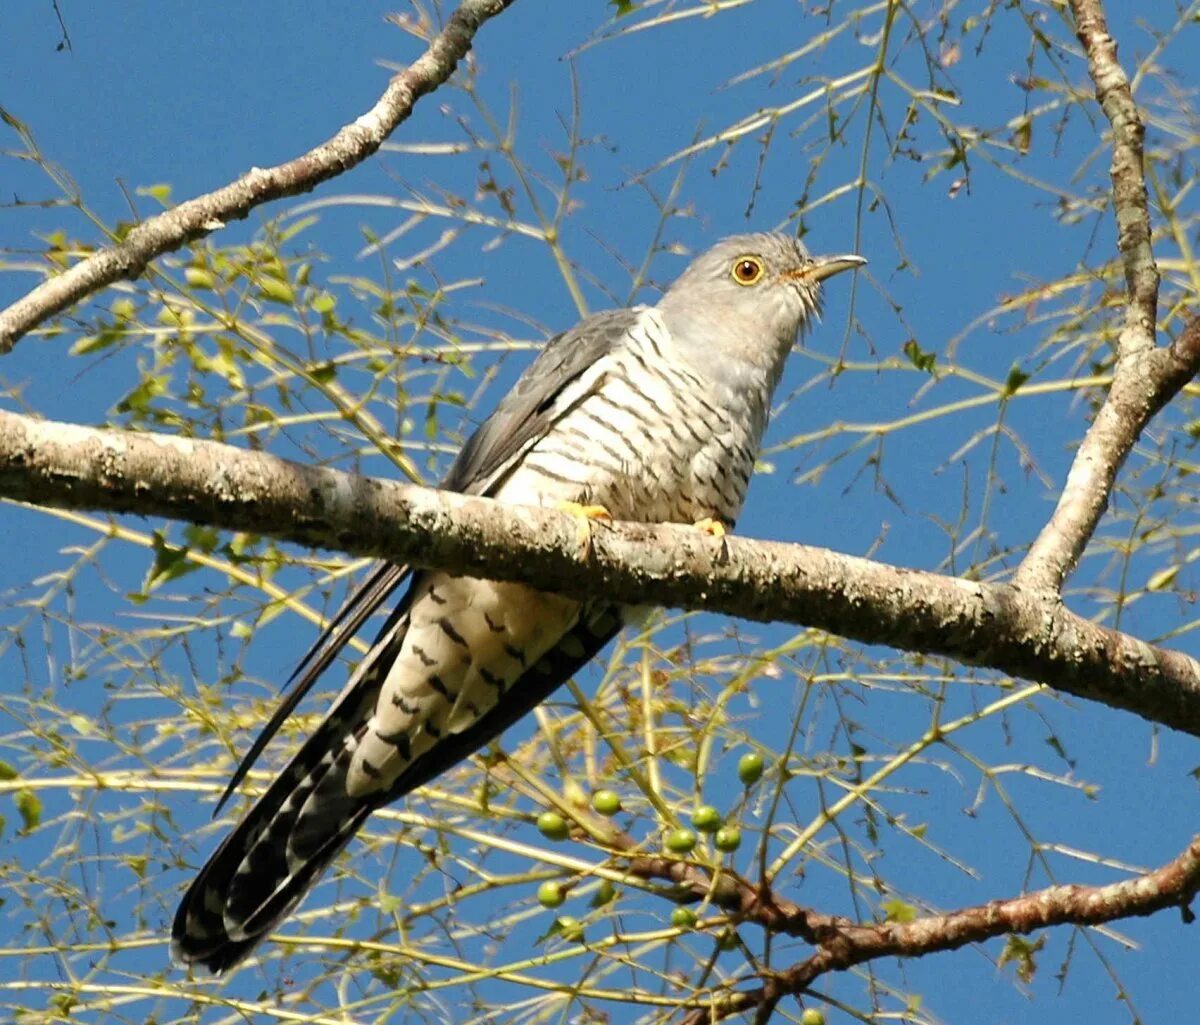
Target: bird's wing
(522,417)
(532,407)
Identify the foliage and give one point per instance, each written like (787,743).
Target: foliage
(141,658)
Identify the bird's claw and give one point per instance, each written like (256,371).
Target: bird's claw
(711,526)
(585,516)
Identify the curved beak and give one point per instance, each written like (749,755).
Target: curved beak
(824,267)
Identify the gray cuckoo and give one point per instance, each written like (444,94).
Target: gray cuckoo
(651,414)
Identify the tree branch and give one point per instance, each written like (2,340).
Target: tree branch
(197,217)
(1000,626)
(842,944)
(1143,378)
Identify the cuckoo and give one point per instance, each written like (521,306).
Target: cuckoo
(650,414)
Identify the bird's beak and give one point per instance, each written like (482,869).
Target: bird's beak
(824,267)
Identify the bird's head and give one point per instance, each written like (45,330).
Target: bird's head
(749,297)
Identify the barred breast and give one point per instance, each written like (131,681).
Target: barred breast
(644,434)
(649,437)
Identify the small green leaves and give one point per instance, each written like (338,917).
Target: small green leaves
(29,806)
(920,358)
(1022,953)
(896,910)
(1016,378)
(553,826)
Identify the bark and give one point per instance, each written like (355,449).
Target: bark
(1019,631)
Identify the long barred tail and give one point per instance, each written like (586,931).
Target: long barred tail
(273,858)
(277,853)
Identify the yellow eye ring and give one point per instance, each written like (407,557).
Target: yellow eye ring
(746,270)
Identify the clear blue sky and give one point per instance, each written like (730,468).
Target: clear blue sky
(192,95)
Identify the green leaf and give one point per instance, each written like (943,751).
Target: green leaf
(1163,579)
(896,910)
(160,192)
(94,343)
(1016,378)
(30,808)
(1020,952)
(920,358)
(276,291)
(323,373)
(170,563)
(200,278)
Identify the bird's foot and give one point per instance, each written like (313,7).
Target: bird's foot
(585,516)
(712,527)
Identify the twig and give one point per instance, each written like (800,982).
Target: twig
(1143,378)
(197,217)
(842,944)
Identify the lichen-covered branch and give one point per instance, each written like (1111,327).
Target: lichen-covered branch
(1017,631)
(842,944)
(197,217)
(1143,383)
(1143,378)
(1131,207)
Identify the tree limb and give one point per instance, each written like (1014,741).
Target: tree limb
(1142,374)
(843,944)
(198,217)
(1020,632)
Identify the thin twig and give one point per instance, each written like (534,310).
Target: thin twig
(198,217)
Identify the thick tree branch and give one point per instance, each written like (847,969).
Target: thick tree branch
(1144,377)
(842,944)
(1020,632)
(1144,382)
(353,144)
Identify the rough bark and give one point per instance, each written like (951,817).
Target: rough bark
(1019,631)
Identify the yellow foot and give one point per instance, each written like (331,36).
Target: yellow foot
(711,527)
(585,516)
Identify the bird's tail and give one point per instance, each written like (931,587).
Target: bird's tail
(278,851)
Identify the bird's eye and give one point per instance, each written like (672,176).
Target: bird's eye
(747,270)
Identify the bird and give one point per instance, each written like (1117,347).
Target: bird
(648,414)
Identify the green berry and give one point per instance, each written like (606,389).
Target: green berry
(750,768)
(550,894)
(605,893)
(681,841)
(812,1016)
(553,826)
(728,940)
(706,818)
(683,918)
(728,838)
(570,929)
(606,802)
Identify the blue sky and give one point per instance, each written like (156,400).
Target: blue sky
(191,96)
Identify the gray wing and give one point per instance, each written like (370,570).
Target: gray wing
(528,411)
(523,417)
